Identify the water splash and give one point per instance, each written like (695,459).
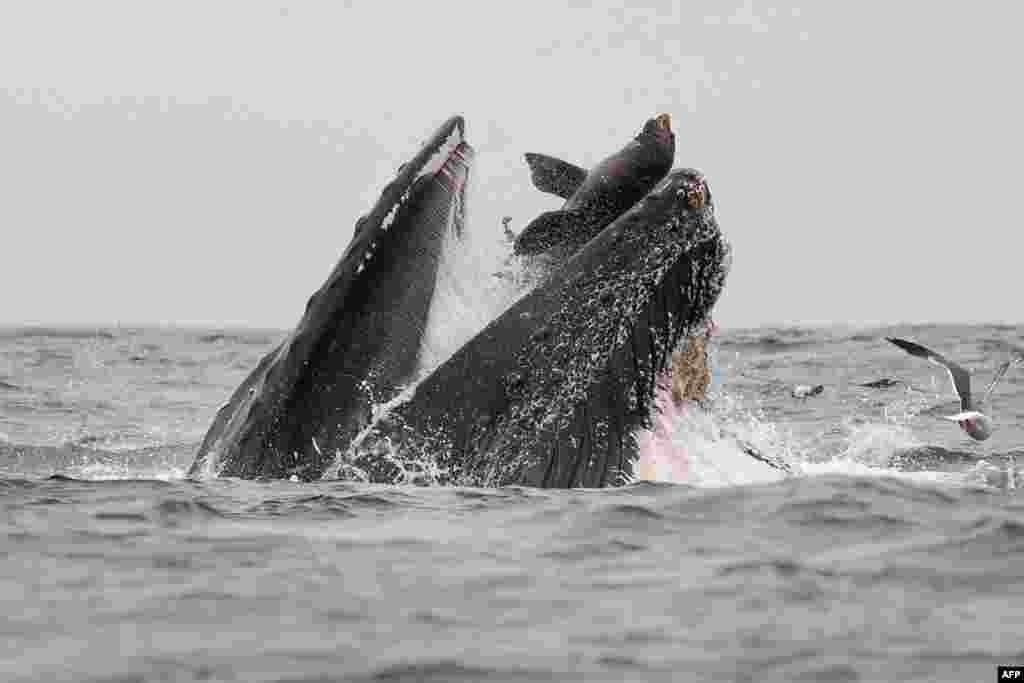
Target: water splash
(873,444)
(370,458)
(713,447)
(468,295)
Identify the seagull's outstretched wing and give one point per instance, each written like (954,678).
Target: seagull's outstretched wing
(1006,365)
(961,378)
(1016,351)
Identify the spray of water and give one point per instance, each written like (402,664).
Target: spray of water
(476,282)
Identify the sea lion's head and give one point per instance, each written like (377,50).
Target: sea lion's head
(661,128)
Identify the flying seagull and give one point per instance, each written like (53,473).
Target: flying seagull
(977,424)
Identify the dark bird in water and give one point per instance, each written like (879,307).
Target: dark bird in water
(971,419)
(807,390)
(884,383)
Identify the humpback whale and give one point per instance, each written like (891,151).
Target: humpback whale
(549,394)
(593,200)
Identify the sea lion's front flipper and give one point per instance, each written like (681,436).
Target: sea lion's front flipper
(553,175)
(548,230)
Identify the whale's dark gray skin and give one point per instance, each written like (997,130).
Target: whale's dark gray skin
(358,340)
(595,199)
(551,392)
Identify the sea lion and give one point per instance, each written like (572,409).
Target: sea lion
(595,199)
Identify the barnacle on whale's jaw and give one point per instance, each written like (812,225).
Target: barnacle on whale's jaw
(695,189)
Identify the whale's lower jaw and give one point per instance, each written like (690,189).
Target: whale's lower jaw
(357,342)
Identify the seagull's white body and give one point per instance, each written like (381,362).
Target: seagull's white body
(977,425)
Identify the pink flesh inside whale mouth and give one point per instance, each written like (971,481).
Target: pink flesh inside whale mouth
(660,458)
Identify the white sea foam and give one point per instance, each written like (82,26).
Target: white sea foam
(702,447)
(96,471)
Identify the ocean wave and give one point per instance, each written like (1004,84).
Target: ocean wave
(260,338)
(57,333)
(774,340)
(931,457)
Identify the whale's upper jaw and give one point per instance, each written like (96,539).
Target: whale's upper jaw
(250,435)
(669,289)
(629,299)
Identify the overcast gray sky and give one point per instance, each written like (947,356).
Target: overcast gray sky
(200,162)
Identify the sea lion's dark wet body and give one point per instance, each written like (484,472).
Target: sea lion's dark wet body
(596,198)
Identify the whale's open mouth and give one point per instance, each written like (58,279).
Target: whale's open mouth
(551,393)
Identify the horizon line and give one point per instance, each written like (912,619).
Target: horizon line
(243,325)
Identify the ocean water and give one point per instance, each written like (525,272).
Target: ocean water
(894,551)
